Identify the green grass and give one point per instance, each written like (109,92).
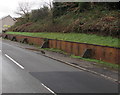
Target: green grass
(75,37)
(106,64)
(54,50)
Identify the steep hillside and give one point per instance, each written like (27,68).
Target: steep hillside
(73,17)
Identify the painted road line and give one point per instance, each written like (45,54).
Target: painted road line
(48,89)
(14,61)
(0,50)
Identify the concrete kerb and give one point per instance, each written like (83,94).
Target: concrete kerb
(84,69)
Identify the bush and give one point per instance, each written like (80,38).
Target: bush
(39,14)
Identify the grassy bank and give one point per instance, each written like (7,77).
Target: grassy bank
(75,37)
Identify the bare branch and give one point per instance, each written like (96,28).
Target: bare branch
(24,8)
(49,4)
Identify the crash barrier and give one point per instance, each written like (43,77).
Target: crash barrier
(103,53)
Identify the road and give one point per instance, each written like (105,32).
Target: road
(24,71)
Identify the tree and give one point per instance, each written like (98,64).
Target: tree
(24,10)
(49,4)
(38,14)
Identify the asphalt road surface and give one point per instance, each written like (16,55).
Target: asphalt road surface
(24,71)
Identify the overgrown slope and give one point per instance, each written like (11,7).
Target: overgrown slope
(94,20)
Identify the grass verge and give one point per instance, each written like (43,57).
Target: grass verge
(106,64)
(54,50)
(75,37)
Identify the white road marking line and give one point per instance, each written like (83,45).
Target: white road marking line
(14,61)
(0,50)
(48,89)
